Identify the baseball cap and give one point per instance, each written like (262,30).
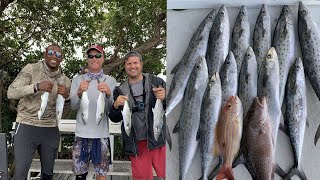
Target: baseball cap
(96,47)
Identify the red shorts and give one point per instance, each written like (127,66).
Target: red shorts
(142,164)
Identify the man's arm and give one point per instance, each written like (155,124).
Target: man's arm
(21,86)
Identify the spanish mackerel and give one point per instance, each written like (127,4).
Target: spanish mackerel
(262,35)
(189,121)
(284,43)
(240,37)
(247,88)
(210,110)
(296,115)
(182,71)
(218,44)
(229,78)
(309,37)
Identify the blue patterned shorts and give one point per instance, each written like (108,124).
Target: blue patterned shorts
(81,167)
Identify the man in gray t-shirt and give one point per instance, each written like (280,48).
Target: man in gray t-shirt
(141,90)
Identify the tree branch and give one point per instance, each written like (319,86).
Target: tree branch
(120,43)
(156,40)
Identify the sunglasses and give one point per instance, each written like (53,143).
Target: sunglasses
(51,52)
(97,56)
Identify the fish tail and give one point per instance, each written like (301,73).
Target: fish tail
(225,172)
(296,170)
(217,168)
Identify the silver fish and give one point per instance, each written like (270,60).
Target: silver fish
(218,44)
(284,43)
(309,37)
(262,35)
(84,105)
(210,110)
(126,114)
(44,102)
(268,85)
(248,78)
(182,71)
(190,116)
(59,107)
(296,115)
(100,107)
(229,78)
(240,37)
(158,113)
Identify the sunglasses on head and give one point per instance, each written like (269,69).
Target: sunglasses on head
(97,56)
(51,52)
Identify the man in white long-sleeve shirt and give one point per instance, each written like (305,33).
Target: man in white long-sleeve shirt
(92,132)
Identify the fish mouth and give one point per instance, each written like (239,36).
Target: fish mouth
(261,101)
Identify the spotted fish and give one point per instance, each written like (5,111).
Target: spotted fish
(240,37)
(296,115)
(218,44)
(182,71)
(284,43)
(262,35)
(210,110)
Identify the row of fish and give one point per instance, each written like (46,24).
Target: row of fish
(262,72)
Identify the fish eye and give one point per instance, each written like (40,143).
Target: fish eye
(303,11)
(222,13)
(269,56)
(263,12)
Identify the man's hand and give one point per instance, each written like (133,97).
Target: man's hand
(63,91)
(160,92)
(45,86)
(120,101)
(84,85)
(103,87)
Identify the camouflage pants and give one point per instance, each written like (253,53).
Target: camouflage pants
(81,167)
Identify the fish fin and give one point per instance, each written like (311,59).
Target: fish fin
(285,29)
(284,128)
(152,110)
(175,69)
(215,171)
(198,135)
(278,170)
(225,172)
(238,160)
(307,122)
(295,170)
(177,127)
(317,136)
(240,32)
(168,137)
